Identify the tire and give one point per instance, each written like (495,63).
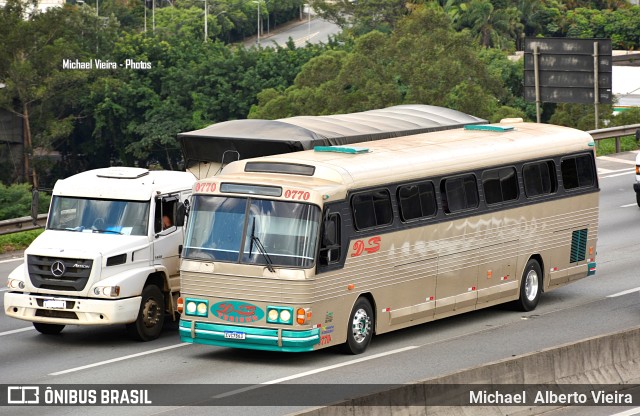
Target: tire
(150,321)
(359,327)
(530,286)
(48,329)
(638,198)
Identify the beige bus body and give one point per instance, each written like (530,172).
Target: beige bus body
(413,271)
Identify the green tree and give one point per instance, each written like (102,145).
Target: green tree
(360,17)
(15,201)
(38,87)
(423,61)
(492,26)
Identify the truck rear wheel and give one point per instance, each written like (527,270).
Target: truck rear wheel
(48,329)
(150,319)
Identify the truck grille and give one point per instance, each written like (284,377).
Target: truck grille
(59,273)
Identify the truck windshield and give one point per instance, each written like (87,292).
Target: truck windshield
(99,215)
(252,231)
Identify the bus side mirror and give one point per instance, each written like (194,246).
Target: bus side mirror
(329,235)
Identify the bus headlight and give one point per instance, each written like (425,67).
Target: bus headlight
(196,307)
(280,315)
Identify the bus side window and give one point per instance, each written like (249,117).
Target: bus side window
(372,209)
(330,244)
(459,193)
(539,178)
(500,185)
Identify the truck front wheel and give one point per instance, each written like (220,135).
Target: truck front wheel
(48,329)
(150,319)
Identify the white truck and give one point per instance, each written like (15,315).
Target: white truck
(109,253)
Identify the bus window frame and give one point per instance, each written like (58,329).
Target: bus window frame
(445,198)
(371,193)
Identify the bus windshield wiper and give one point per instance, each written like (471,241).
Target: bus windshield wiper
(261,248)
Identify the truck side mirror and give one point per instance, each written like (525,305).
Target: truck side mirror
(181,213)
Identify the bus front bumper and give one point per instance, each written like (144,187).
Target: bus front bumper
(267,339)
(70,311)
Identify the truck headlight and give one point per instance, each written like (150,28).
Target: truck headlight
(108,291)
(15,284)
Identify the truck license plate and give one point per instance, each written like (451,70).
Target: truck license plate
(54,304)
(234,335)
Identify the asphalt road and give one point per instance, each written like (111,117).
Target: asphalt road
(605,303)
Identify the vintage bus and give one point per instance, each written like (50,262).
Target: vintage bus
(330,246)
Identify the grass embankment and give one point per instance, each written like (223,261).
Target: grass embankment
(18,241)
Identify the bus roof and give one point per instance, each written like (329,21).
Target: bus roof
(434,154)
(254,138)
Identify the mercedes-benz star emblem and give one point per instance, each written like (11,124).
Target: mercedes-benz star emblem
(57,268)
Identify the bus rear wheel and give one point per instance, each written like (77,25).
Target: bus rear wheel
(360,327)
(48,329)
(150,319)
(530,286)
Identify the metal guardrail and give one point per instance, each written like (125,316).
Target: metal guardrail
(29,223)
(22,224)
(617,133)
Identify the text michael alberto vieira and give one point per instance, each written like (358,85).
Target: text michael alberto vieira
(549,397)
(106,64)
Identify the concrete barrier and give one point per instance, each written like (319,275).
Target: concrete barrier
(608,361)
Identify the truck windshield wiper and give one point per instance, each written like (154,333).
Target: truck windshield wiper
(261,248)
(96,230)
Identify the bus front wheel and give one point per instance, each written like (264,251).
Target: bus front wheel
(360,327)
(530,286)
(150,319)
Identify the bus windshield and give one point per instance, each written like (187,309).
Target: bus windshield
(252,231)
(99,215)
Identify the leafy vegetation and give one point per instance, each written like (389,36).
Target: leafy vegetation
(18,241)
(15,201)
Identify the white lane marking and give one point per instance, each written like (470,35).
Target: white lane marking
(617,174)
(114,360)
(617,160)
(15,331)
(628,205)
(630,412)
(624,292)
(9,260)
(317,370)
